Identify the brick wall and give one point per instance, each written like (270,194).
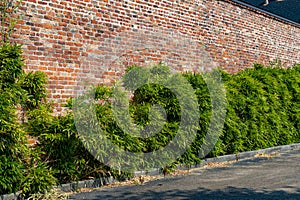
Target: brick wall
(94,40)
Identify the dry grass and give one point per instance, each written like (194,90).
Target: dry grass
(218,164)
(53,194)
(139,180)
(179,172)
(266,155)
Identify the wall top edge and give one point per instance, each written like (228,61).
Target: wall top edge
(262,12)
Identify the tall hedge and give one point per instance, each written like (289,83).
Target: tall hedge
(21,169)
(262,110)
(263,103)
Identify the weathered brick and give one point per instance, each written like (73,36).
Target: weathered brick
(75,38)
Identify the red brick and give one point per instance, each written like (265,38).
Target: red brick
(74,43)
(47,26)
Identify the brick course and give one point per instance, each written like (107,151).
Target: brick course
(74,40)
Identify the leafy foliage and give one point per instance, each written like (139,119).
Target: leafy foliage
(262,107)
(34,83)
(262,111)
(11,64)
(21,168)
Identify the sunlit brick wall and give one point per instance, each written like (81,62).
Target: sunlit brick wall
(71,40)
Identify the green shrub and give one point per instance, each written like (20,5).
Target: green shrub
(21,169)
(34,83)
(13,149)
(11,173)
(63,150)
(262,111)
(11,64)
(17,167)
(38,177)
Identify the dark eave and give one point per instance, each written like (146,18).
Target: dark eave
(256,8)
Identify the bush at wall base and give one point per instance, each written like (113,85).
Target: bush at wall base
(262,111)
(21,169)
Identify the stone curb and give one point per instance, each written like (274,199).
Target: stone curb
(95,183)
(10,196)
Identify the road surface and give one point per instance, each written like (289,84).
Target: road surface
(260,178)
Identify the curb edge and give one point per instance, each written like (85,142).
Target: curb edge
(96,183)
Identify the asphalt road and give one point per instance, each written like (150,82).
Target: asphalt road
(277,177)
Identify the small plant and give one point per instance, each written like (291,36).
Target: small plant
(34,83)
(11,65)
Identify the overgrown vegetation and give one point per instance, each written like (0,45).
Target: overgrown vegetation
(262,111)
(21,167)
(262,107)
